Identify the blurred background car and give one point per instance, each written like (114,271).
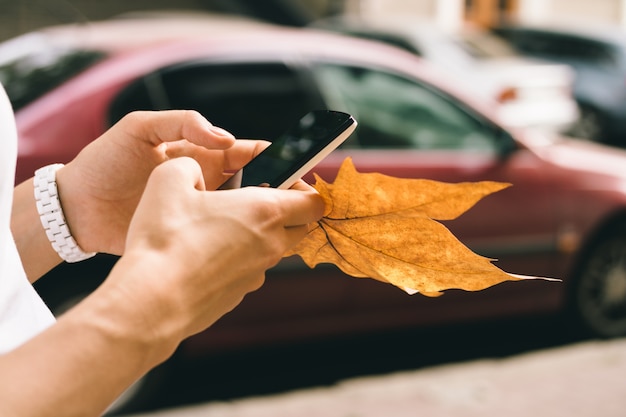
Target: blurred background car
(526,92)
(598,57)
(564,217)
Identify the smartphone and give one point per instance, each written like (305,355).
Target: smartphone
(295,152)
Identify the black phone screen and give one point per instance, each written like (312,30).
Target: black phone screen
(284,156)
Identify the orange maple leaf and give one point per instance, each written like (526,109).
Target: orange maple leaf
(385,228)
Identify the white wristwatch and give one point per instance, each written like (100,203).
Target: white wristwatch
(52,218)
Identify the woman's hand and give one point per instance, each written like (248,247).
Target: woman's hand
(193,254)
(101,187)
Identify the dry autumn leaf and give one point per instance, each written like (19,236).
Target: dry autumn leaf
(388,231)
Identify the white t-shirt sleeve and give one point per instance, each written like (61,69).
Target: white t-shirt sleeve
(23,313)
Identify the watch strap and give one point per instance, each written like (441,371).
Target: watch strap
(52,218)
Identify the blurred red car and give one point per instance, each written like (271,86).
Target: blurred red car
(564,217)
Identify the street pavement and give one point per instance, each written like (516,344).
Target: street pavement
(585,379)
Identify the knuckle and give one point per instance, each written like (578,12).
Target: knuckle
(266,207)
(134,116)
(193,117)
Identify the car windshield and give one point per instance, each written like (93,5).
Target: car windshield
(30,66)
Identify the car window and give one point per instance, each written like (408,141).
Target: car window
(570,49)
(30,66)
(134,97)
(589,52)
(252,100)
(249,99)
(145,93)
(395,40)
(397,112)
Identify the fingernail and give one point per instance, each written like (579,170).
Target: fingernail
(218,131)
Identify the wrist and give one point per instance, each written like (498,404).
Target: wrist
(144,311)
(36,252)
(123,322)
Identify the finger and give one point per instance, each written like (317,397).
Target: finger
(173,125)
(242,152)
(218,165)
(174,172)
(302,185)
(231,159)
(301,207)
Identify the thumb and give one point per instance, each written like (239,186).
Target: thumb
(165,198)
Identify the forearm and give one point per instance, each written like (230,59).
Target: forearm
(36,252)
(83,362)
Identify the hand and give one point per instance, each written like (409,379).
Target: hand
(203,251)
(101,187)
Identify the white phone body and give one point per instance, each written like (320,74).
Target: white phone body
(291,156)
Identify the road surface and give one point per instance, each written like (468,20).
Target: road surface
(584,379)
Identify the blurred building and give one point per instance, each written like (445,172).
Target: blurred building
(19,16)
(451,13)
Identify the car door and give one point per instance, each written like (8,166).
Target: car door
(410,129)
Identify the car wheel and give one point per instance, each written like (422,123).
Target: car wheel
(599,291)
(588,126)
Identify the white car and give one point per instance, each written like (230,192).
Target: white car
(524,92)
